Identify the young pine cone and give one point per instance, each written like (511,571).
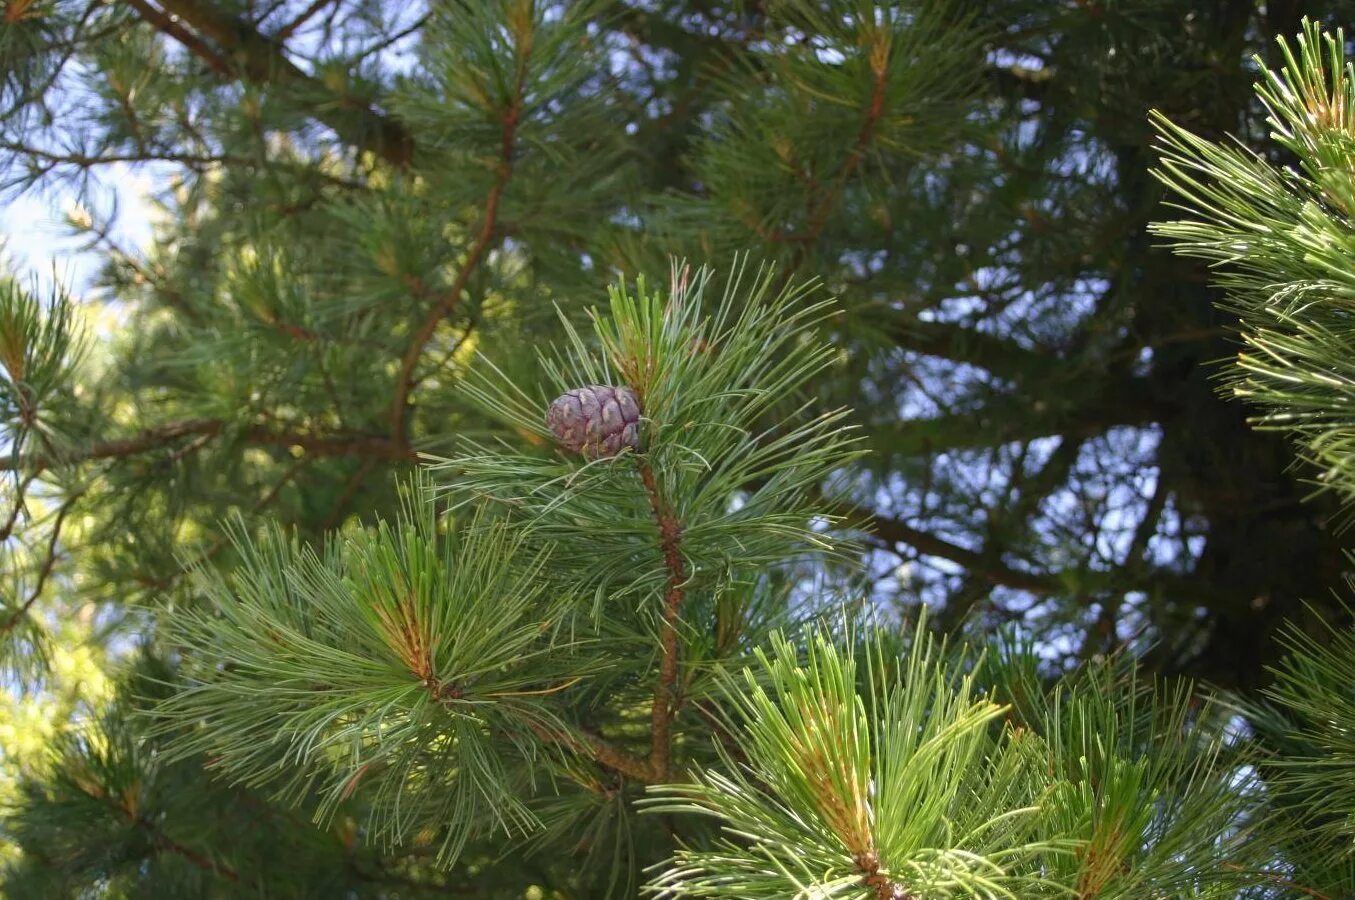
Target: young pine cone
(597,421)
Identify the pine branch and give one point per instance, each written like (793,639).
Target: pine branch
(49,562)
(159,839)
(360,445)
(195,161)
(405,380)
(1012,514)
(994,571)
(20,490)
(169,25)
(896,531)
(1001,356)
(263,60)
(600,750)
(819,213)
(388,42)
(302,18)
(165,843)
(666,700)
(350,491)
(1084,409)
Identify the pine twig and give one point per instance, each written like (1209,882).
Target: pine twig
(600,750)
(302,18)
(20,492)
(819,212)
(350,490)
(165,843)
(161,841)
(665,692)
(45,572)
(246,52)
(479,248)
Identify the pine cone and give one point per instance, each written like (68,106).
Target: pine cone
(597,421)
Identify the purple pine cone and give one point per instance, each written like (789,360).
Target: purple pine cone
(597,421)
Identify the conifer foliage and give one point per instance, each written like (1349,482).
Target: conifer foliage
(422,576)
(533,610)
(539,624)
(1281,242)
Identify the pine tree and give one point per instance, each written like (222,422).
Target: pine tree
(542,672)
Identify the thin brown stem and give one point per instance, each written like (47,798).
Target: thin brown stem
(165,843)
(302,18)
(405,380)
(1276,878)
(598,749)
(20,491)
(45,572)
(162,842)
(220,542)
(350,490)
(820,210)
(666,700)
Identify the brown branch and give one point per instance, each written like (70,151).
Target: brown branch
(665,692)
(377,447)
(895,531)
(1033,491)
(818,213)
(45,572)
(819,216)
(371,446)
(600,750)
(20,490)
(996,572)
(302,18)
(246,52)
(1082,409)
(126,808)
(479,247)
(1280,880)
(170,26)
(164,842)
(195,161)
(1001,356)
(220,542)
(350,491)
(1101,636)
(385,43)
(614,758)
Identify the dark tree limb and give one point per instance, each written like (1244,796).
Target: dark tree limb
(1001,356)
(1004,419)
(1033,490)
(302,18)
(237,49)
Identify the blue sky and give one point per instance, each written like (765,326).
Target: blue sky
(36,240)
